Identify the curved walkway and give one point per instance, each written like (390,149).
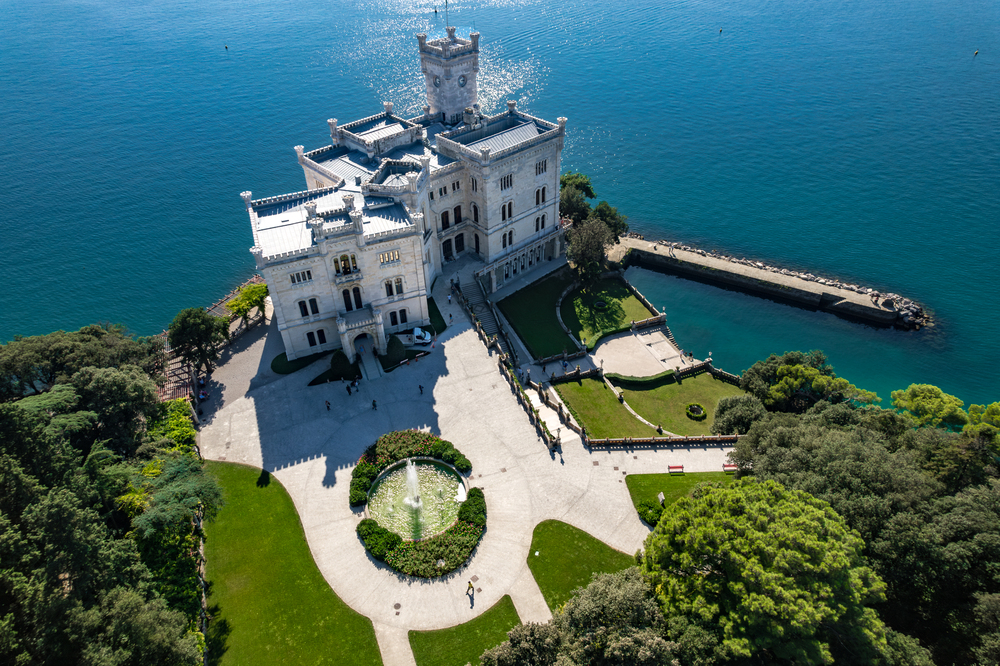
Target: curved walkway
(281,424)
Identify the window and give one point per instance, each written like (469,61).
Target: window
(456,186)
(537,221)
(510,238)
(388,257)
(302,276)
(321,334)
(345,265)
(543,195)
(402,316)
(459,243)
(503,212)
(539,196)
(541,167)
(507,182)
(431,195)
(505,241)
(543,220)
(388,287)
(443,191)
(399,286)
(393,319)
(458,214)
(311,337)
(357,298)
(475,184)
(313,306)
(354,263)
(475,214)
(445,223)
(347,300)
(303,310)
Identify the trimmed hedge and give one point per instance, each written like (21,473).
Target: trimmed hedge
(650,511)
(474,508)
(421,558)
(395,352)
(341,366)
(641,383)
(694,415)
(378,540)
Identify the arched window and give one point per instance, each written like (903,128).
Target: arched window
(357,298)
(475,212)
(543,220)
(510,209)
(313,306)
(536,223)
(336,266)
(458,214)
(503,212)
(510,237)
(311,337)
(444,221)
(303,310)
(505,241)
(354,263)
(538,197)
(399,286)
(393,320)
(321,334)
(347,300)
(402,316)
(543,195)
(388,287)
(345,265)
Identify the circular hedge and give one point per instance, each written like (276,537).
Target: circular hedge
(696,412)
(439,554)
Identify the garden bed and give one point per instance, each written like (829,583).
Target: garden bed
(602,309)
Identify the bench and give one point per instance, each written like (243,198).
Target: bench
(675,469)
(728,467)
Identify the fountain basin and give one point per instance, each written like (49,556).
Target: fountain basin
(392,504)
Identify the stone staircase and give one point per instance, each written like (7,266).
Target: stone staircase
(477,301)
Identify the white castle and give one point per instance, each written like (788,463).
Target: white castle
(392,200)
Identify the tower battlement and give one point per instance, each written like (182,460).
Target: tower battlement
(450,66)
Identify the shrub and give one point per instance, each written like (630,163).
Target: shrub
(358,497)
(696,412)
(450,455)
(379,541)
(173,422)
(395,352)
(341,367)
(736,413)
(453,547)
(462,464)
(650,511)
(474,508)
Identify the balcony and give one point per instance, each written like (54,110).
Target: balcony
(353,276)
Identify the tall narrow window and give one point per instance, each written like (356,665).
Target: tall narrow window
(505,241)
(357,298)
(543,220)
(399,286)
(388,287)
(538,197)
(458,214)
(347,301)
(510,209)
(303,310)
(475,213)
(543,195)
(321,334)
(503,212)
(510,238)
(345,266)
(311,337)
(444,221)
(336,266)
(313,306)
(393,320)
(402,316)
(354,263)
(537,220)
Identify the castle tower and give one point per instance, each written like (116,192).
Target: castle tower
(450,66)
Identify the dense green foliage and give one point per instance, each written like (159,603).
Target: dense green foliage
(378,540)
(613,621)
(590,323)
(100,510)
(574,190)
(268,601)
(438,555)
(196,335)
(695,412)
(395,352)
(573,204)
(650,511)
(795,381)
(464,643)
(249,298)
(567,559)
(644,489)
(930,406)
(767,571)
(589,240)
(579,181)
(735,414)
(473,509)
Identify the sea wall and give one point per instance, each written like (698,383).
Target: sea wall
(804,289)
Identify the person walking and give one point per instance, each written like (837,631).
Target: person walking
(421,387)
(374,405)
(348,389)
(449,299)
(327,405)
(471,589)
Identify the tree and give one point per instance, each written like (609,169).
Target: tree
(578,181)
(588,243)
(197,335)
(250,297)
(573,204)
(774,574)
(800,385)
(760,376)
(124,400)
(615,221)
(736,413)
(614,620)
(931,406)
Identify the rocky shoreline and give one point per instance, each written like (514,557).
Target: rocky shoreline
(909,314)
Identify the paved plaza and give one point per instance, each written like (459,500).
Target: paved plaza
(279,423)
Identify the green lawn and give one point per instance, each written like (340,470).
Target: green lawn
(437,320)
(269,602)
(567,559)
(597,409)
(283,366)
(673,486)
(532,314)
(587,321)
(666,404)
(463,644)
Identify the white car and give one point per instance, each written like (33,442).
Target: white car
(421,337)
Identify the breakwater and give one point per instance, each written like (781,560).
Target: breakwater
(829,295)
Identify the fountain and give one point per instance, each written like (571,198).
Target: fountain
(417,500)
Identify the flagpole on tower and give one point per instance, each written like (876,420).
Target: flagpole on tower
(446,24)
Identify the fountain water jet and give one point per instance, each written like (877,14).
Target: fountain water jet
(412,499)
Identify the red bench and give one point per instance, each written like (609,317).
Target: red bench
(728,467)
(675,469)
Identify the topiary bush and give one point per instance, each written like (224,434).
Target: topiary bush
(341,367)
(474,508)
(650,511)
(395,352)
(696,412)
(462,464)
(379,541)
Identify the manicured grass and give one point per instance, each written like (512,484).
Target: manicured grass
(568,558)
(665,404)
(410,354)
(673,486)
(437,320)
(269,602)
(597,409)
(283,366)
(587,321)
(532,313)
(463,644)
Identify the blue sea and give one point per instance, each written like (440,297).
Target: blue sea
(856,140)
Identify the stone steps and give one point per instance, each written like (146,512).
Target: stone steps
(477,301)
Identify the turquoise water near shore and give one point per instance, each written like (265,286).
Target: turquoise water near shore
(858,141)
